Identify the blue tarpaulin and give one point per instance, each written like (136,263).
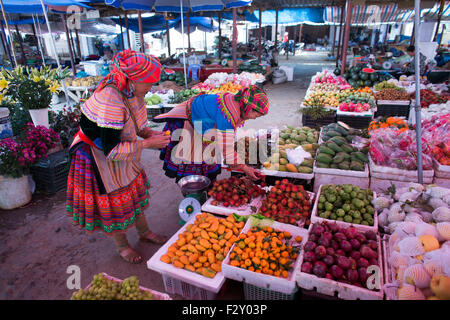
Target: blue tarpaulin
(157,23)
(291,16)
(174,5)
(24,21)
(35,7)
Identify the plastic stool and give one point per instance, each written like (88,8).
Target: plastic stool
(195,69)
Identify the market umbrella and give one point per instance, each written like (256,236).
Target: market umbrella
(179,6)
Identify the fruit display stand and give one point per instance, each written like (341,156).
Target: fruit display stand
(156,295)
(381,178)
(263,286)
(389,274)
(338,176)
(286,174)
(248,209)
(185,283)
(168,107)
(76,93)
(339,289)
(357,120)
(307,121)
(387,108)
(441,174)
(316,218)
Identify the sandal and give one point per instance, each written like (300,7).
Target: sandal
(149,236)
(130,255)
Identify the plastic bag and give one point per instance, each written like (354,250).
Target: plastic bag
(411,246)
(297,156)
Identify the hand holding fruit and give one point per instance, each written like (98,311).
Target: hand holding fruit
(252,173)
(156,142)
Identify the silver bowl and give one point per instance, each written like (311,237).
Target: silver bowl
(193,184)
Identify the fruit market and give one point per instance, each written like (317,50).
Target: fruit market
(262,151)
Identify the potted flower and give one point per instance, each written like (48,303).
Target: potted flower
(16,158)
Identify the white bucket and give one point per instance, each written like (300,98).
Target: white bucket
(39,117)
(5,124)
(14,192)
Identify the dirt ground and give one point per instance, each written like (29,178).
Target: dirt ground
(38,242)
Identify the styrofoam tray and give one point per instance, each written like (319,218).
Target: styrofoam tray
(243,210)
(340,172)
(315,217)
(156,295)
(155,264)
(389,273)
(396,102)
(389,173)
(286,286)
(285,174)
(441,171)
(345,291)
(301,222)
(354,114)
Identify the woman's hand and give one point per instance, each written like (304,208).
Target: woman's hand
(156,141)
(252,173)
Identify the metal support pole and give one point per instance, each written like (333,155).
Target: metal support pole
(76,53)
(121,33)
(441,9)
(234,42)
(38,41)
(74,70)
(334,40)
(24,58)
(4,43)
(168,35)
(348,19)
(54,48)
(128,31)
(182,36)
(219,14)
(417,106)
(141,32)
(341,34)
(77,40)
(276,28)
(10,37)
(188,25)
(259,41)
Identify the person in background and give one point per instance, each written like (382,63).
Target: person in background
(425,64)
(107,188)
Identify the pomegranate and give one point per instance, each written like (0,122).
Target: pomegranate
(307,267)
(327,235)
(372,244)
(339,236)
(352,276)
(333,227)
(309,256)
(346,246)
(318,230)
(355,244)
(320,252)
(320,269)
(355,255)
(350,232)
(330,251)
(368,253)
(363,275)
(362,262)
(343,262)
(336,271)
(324,242)
(361,238)
(328,260)
(334,244)
(370,235)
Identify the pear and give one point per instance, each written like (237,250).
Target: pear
(440,285)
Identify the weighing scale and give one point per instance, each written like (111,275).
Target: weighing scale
(193,189)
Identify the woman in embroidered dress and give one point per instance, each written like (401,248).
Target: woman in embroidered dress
(224,112)
(107,187)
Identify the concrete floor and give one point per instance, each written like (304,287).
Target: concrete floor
(38,242)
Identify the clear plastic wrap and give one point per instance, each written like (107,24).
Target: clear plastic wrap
(395,149)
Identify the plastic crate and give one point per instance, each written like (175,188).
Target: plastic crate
(356,122)
(186,290)
(50,174)
(153,111)
(252,292)
(394,109)
(309,122)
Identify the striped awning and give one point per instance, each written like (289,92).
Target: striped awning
(382,14)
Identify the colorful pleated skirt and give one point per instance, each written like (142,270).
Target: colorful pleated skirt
(111,213)
(179,171)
